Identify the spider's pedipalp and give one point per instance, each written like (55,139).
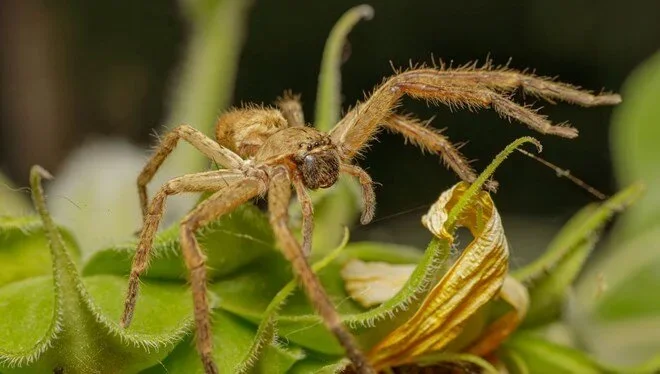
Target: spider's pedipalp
(307,209)
(279,195)
(368,195)
(211,149)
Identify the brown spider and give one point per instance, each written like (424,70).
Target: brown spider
(266,150)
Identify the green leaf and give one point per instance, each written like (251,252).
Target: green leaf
(529,353)
(549,277)
(12,200)
(58,324)
(628,299)
(24,249)
(635,133)
(526,353)
(232,339)
(249,293)
(320,365)
(617,315)
(266,330)
(232,241)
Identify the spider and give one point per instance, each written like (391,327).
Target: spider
(266,150)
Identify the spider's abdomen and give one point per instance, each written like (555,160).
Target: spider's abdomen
(245,130)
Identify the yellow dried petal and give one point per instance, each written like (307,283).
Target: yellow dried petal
(472,281)
(515,294)
(372,283)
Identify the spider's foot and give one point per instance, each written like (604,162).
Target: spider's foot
(126,318)
(209,365)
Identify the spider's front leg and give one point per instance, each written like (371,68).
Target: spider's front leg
(210,148)
(465,87)
(200,182)
(279,195)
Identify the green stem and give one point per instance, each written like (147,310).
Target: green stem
(484,176)
(328,96)
(206,82)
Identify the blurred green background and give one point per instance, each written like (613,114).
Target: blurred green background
(79,69)
(75,69)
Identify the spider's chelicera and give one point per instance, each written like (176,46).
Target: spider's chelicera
(265,150)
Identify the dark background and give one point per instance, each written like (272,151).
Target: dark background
(79,68)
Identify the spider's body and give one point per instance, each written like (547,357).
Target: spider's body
(266,150)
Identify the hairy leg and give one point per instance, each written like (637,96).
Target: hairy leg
(431,139)
(368,195)
(307,209)
(291,108)
(279,195)
(207,181)
(460,88)
(505,79)
(210,148)
(220,203)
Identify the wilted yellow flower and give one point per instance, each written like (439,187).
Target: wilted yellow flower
(478,276)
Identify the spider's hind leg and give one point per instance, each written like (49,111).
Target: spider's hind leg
(291,107)
(220,203)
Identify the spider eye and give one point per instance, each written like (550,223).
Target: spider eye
(309,147)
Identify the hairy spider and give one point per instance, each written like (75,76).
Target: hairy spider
(265,150)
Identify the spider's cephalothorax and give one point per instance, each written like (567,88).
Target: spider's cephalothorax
(266,150)
(265,136)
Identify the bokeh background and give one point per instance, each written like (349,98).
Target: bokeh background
(105,77)
(79,69)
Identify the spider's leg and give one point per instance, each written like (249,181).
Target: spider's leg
(279,195)
(291,108)
(430,139)
(220,203)
(207,181)
(508,80)
(210,148)
(468,89)
(307,209)
(368,195)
